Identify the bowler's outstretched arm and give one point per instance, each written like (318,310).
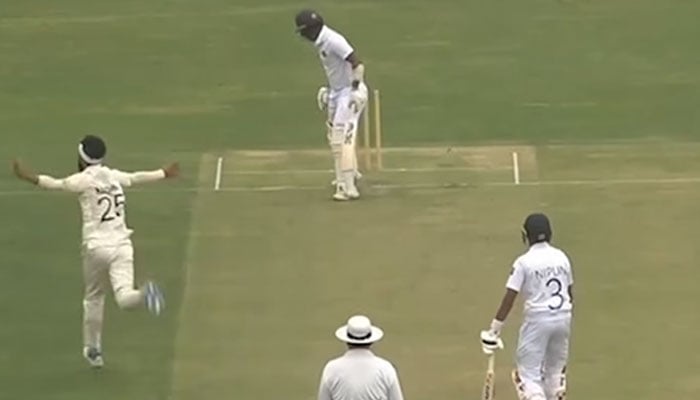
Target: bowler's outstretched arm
(74,183)
(132,178)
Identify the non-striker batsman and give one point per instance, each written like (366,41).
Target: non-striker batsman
(343,99)
(543,276)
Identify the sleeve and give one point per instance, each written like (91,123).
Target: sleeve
(395,392)
(133,178)
(324,391)
(571,273)
(517,277)
(75,183)
(341,47)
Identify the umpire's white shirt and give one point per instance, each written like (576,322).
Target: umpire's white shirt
(359,375)
(334,49)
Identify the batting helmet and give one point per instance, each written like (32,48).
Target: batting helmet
(306,19)
(537,228)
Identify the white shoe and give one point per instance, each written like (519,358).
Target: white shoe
(155,302)
(93,357)
(352,194)
(344,195)
(340,193)
(340,196)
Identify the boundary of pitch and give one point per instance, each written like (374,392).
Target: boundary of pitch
(198,209)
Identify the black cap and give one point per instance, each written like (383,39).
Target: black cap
(307,19)
(92,149)
(537,228)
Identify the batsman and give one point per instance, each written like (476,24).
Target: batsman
(343,99)
(544,277)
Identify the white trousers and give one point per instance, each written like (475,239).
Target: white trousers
(103,264)
(542,354)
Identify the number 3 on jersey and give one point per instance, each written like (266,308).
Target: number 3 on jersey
(113,206)
(556,283)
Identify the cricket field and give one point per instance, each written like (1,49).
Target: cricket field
(598,99)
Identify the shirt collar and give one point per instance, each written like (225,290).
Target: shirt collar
(359,352)
(322,36)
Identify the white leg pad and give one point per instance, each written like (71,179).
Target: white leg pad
(555,386)
(518,383)
(348,166)
(527,390)
(329,132)
(336,138)
(349,153)
(347,159)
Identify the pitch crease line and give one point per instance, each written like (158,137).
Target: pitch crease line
(385,170)
(217,178)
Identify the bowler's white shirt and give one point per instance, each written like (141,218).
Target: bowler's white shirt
(542,276)
(102,201)
(334,49)
(359,375)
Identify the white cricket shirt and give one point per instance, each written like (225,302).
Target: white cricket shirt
(359,375)
(102,201)
(542,276)
(334,49)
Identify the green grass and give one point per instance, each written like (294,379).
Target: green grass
(194,80)
(428,262)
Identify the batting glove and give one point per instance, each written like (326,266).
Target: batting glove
(490,342)
(322,98)
(359,97)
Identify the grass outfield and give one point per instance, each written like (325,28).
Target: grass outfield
(425,253)
(600,108)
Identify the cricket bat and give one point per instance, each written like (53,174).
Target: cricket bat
(489,389)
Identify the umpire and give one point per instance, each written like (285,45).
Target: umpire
(359,374)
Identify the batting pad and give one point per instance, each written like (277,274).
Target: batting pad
(348,161)
(555,386)
(329,132)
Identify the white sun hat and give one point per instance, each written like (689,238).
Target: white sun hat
(359,330)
